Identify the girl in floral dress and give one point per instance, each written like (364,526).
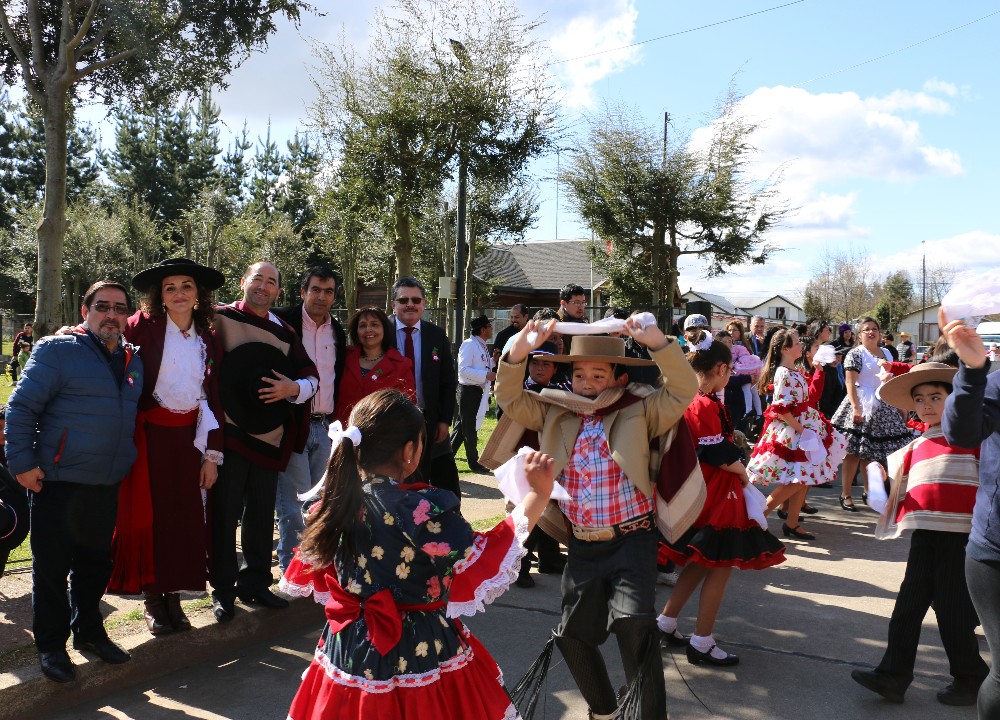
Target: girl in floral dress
(395,564)
(723,536)
(798,447)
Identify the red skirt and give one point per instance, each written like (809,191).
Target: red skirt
(469,686)
(724,535)
(179,530)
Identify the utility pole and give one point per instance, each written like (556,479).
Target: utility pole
(463,172)
(923,295)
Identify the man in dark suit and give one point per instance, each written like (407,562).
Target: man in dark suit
(755,338)
(428,346)
(324,341)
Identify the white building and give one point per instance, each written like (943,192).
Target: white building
(922,324)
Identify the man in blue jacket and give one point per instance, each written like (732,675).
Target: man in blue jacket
(70,423)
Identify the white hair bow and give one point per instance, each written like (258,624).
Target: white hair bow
(338,432)
(705,344)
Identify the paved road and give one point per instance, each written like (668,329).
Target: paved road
(799,629)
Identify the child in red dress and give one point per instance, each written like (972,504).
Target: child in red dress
(723,536)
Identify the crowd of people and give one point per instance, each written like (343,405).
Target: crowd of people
(144,440)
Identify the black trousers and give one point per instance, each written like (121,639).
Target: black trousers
(464,430)
(611,587)
(244,493)
(71,530)
(934,577)
(984,587)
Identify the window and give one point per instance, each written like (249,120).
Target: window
(776,313)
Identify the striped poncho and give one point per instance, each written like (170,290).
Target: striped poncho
(933,487)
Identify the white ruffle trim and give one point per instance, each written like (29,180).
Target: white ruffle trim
(296,590)
(378,687)
(492,588)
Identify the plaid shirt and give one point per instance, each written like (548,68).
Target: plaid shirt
(601,493)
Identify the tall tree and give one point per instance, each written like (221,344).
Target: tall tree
(655,203)
(843,283)
(118,51)
(419,99)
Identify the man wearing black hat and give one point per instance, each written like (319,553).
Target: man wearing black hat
(266,379)
(70,428)
(428,346)
(475,373)
(324,342)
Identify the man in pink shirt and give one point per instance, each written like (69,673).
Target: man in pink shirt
(324,341)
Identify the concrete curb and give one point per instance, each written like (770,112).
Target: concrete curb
(27,693)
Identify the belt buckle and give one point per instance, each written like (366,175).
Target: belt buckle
(631,526)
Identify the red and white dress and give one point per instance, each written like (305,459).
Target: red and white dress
(392,646)
(723,535)
(783,455)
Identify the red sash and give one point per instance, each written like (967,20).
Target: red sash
(132,545)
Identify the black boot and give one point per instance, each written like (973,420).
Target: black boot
(587,667)
(646,696)
(178,620)
(155,614)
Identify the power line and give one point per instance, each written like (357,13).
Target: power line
(899,50)
(675,34)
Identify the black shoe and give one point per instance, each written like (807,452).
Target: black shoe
(960,692)
(262,597)
(782,514)
(525,581)
(696,657)
(880,683)
(104,649)
(480,469)
(224,610)
(674,639)
(808,509)
(864,497)
(552,566)
(175,613)
(848,508)
(57,666)
(796,532)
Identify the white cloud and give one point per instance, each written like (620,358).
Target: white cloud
(940,86)
(973,250)
(900,100)
(830,137)
(607,26)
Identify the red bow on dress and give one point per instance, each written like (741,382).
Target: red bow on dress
(382,615)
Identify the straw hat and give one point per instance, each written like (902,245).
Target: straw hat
(897,391)
(598,348)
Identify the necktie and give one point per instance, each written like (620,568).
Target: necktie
(408,346)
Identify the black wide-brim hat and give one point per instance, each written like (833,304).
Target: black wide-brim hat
(239,383)
(208,278)
(13,512)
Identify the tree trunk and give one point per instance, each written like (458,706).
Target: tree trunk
(52,227)
(404,242)
(673,255)
(470,262)
(660,273)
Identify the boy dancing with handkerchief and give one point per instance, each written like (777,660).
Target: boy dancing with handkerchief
(599,437)
(933,492)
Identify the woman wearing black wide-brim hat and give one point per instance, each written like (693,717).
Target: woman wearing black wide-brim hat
(162,536)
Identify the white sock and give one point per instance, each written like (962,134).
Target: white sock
(666,624)
(705,643)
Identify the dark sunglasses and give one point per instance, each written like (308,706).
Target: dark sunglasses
(409,300)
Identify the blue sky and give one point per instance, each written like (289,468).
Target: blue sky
(895,157)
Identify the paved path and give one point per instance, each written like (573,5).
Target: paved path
(799,629)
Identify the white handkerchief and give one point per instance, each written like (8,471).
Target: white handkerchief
(825,354)
(813,447)
(973,295)
(513,482)
(756,504)
(877,499)
(601,327)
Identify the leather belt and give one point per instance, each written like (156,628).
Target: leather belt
(318,417)
(610,532)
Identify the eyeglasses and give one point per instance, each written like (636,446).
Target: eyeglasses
(105,307)
(409,300)
(577,303)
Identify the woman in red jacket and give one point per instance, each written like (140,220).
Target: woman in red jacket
(371,363)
